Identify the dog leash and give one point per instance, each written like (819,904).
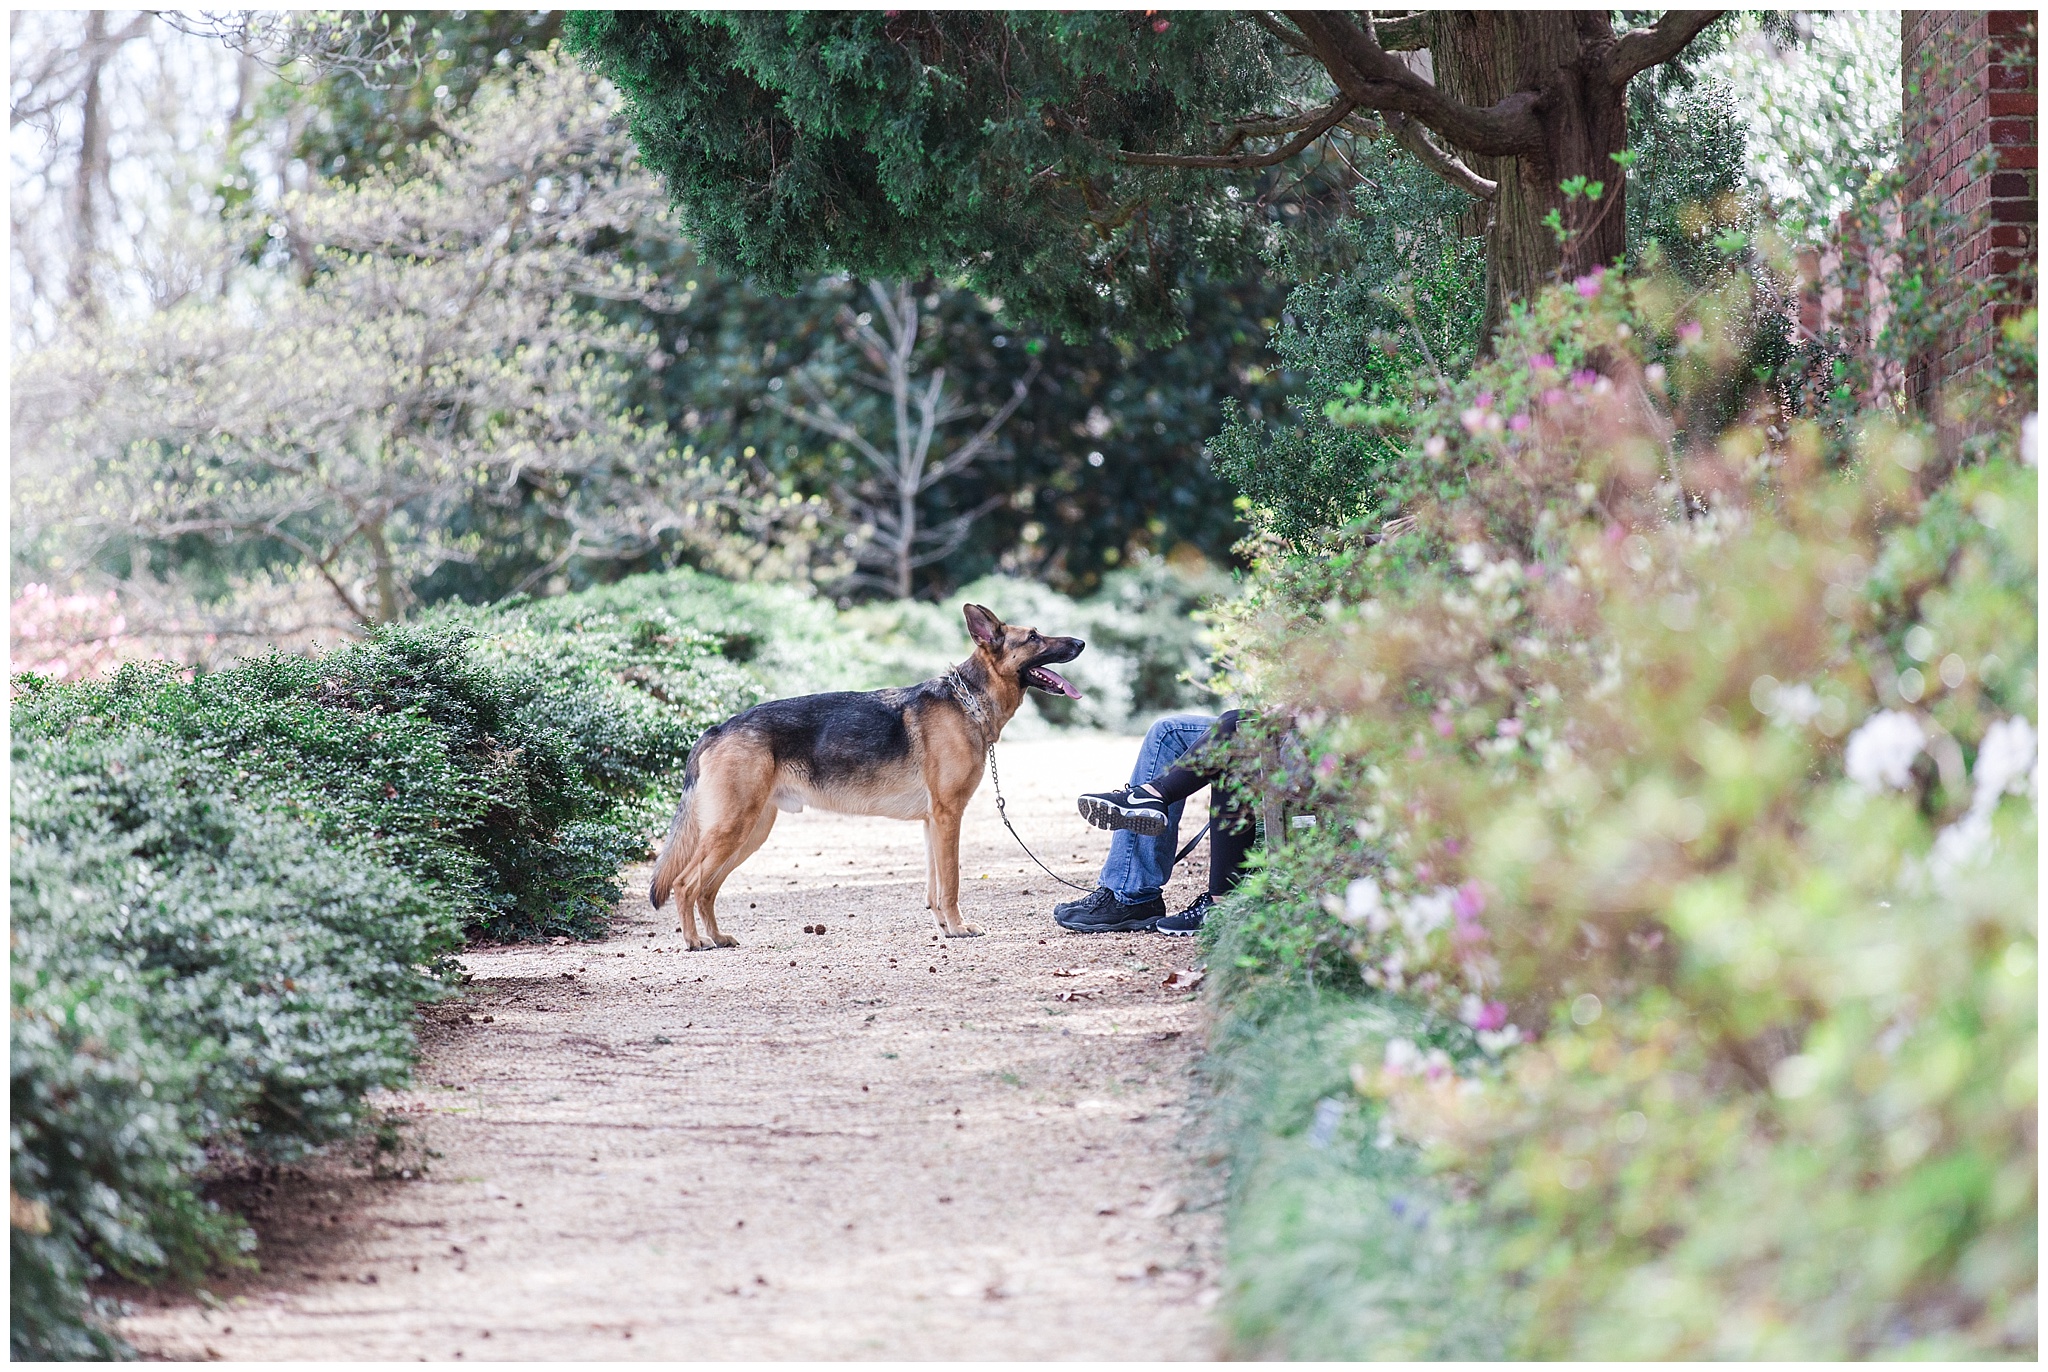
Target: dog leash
(974,711)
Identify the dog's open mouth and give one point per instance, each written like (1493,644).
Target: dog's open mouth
(1046,679)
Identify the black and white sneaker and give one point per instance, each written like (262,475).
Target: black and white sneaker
(1100,912)
(1187,921)
(1125,808)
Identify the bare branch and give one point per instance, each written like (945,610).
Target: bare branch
(1411,136)
(966,453)
(826,421)
(1640,49)
(1327,118)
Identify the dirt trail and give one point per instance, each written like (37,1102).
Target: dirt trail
(869,1143)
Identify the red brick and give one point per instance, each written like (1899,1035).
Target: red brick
(2016,212)
(2007,76)
(2011,185)
(2010,132)
(2005,23)
(2011,235)
(2011,158)
(2006,263)
(2013,103)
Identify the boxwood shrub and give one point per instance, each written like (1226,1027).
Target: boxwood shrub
(229,892)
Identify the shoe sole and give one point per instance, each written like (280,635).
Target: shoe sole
(1104,815)
(1161,928)
(1141,924)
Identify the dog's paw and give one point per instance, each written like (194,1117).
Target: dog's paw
(966,931)
(727,941)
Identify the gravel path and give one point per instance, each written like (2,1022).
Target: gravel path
(866,1143)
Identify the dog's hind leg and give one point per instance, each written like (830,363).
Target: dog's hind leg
(728,830)
(707,896)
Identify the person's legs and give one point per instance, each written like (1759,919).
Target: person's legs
(1138,865)
(1231,831)
(1201,763)
(1231,827)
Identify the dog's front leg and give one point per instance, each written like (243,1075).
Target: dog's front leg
(943,829)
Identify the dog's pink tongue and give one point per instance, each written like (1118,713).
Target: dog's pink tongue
(1060,683)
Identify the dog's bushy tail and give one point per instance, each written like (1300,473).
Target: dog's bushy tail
(676,852)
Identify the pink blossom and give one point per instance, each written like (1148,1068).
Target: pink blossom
(1585,376)
(1519,423)
(1442,721)
(1553,396)
(1326,766)
(1161,25)
(1492,1017)
(1485,399)
(1588,285)
(1542,362)
(1510,728)
(1690,331)
(1470,902)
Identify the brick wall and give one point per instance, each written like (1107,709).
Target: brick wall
(1971,86)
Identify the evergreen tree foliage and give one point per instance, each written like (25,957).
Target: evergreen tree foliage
(893,142)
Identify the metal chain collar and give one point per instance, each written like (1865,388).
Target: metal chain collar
(976,711)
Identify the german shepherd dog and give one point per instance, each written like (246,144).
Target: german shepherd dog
(910,752)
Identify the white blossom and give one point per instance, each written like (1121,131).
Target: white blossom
(1881,751)
(1364,906)
(1422,915)
(2005,762)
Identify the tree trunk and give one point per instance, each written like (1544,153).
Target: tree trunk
(1481,56)
(83,285)
(388,605)
(906,540)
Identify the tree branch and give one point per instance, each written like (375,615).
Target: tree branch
(965,454)
(1327,118)
(1369,77)
(1640,49)
(1407,34)
(1411,136)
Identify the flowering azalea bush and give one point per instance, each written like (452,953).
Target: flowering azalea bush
(1686,780)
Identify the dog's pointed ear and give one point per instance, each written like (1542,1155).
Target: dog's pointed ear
(982,625)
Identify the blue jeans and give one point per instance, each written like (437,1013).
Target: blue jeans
(1137,867)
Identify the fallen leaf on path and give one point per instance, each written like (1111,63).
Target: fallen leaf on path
(1184,980)
(1072,995)
(1068,972)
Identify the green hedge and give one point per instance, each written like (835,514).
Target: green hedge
(230,892)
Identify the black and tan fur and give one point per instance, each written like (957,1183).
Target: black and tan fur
(911,752)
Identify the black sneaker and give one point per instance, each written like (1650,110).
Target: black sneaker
(1124,808)
(1100,912)
(1189,920)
